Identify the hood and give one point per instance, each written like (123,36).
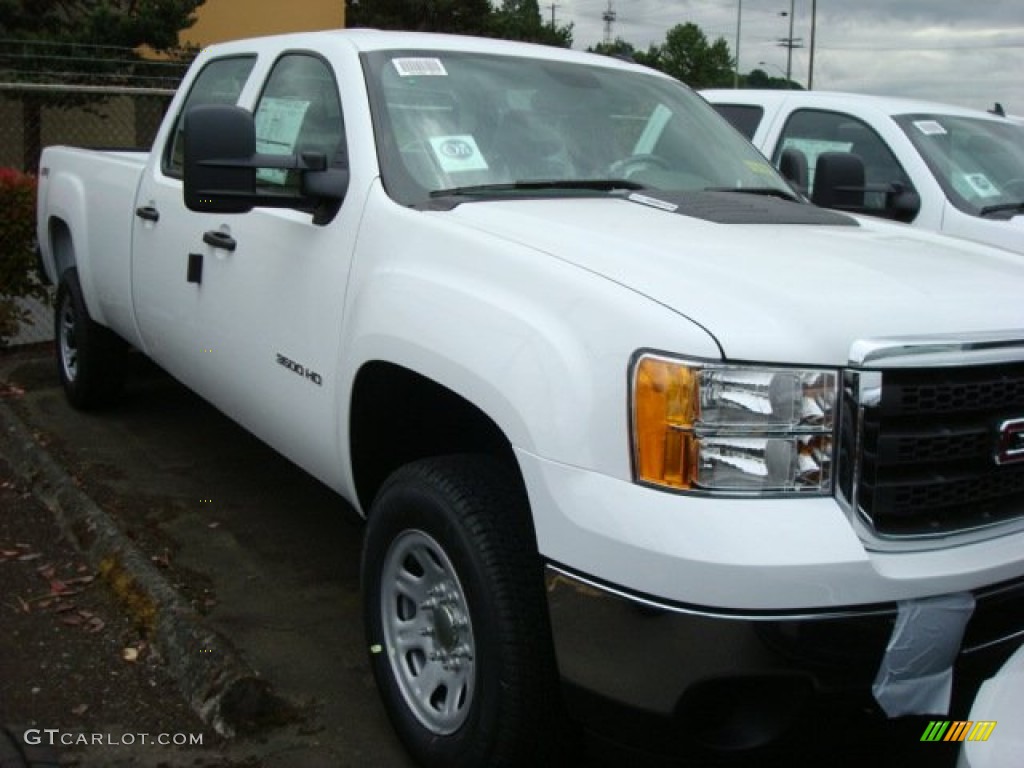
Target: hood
(785,293)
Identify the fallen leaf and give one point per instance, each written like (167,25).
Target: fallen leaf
(95,624)
(64,607)
(46,571)
(80,709)
(72,621)
(130,654)
(25,607)
(29,556)
(213,525)
(80,580)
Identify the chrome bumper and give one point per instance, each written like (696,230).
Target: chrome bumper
(675,678)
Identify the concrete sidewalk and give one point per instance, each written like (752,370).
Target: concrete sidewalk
(244,569)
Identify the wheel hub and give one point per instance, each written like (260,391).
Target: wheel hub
(428,631)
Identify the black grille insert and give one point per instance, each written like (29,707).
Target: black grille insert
(927,459)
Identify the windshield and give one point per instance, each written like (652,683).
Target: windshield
(451,123)
(979,163)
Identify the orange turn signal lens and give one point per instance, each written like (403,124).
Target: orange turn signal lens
(665,407)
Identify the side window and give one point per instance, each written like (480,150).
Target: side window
(220,82)
(812,132)
(299,111)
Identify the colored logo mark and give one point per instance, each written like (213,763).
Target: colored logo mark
(958,730)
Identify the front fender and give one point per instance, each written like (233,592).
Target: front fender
(539,345)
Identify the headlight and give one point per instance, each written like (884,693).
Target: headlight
(734,429)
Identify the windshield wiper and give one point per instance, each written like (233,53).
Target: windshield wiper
(1002,208)
(597,185)
(762,191)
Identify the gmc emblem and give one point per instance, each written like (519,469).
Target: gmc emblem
(1010,442)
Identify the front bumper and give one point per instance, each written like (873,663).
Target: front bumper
(675,680)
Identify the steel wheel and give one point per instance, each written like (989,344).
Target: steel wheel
(68,346)
(426,619)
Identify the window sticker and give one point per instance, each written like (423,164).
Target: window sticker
(278,122)
(930,127)
(419,68)
(981,185)
(458,153)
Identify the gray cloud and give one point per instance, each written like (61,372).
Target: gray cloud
(970,54)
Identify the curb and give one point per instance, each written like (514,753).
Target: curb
(224,691)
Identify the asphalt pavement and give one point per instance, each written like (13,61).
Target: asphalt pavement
(231,571)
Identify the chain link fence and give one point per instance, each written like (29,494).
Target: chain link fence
(35,115)
(100,97)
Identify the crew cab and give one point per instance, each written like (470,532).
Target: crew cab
(629,420)
(952,170)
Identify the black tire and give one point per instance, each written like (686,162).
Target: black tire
(469,681)
(90,358)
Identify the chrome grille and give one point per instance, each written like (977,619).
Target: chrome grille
(918,447)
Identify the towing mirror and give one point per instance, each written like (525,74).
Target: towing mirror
(220,143)
(221,163)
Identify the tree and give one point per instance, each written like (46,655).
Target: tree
(513,20)
(521,20)
(686,55)
(465,17)
(123,23)
(760,79)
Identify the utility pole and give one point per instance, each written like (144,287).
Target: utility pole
(814,26)
(609,18)
(790,42)
(739,21)
(552,7)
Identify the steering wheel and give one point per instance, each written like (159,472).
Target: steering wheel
(630,166)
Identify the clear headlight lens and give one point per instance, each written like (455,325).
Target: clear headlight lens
(713,427)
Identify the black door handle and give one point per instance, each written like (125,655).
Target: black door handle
(219,239)
(147,212)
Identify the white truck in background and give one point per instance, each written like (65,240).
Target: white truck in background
(622,411)
(949,169)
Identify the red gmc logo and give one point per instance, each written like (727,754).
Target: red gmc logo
(1010,442)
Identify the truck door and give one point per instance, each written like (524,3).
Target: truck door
(266,289)
(164,232)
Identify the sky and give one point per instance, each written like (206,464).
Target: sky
(963,52)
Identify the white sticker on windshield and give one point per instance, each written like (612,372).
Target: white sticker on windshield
(419,68)
(981,185)
(930,127)
(458,153)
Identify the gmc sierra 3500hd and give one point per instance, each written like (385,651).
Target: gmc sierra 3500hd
(622,411)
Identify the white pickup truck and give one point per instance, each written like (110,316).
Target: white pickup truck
(949,169)
(622,411)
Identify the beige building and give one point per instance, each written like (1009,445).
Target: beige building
(220,20)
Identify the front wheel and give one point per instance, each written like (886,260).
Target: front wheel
(455,616)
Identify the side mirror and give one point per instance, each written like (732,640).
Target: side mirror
(220,143)
(221,163)
(902,204)
(839,181)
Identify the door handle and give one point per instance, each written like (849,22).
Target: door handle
(219,239)
(148,213)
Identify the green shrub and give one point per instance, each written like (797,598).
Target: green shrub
(18,276)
